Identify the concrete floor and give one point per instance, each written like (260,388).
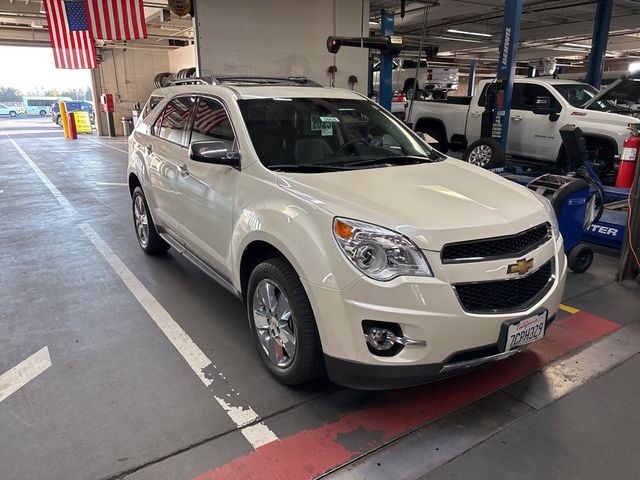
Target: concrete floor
(119,401)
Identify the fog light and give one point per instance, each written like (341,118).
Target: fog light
(381,339)
(386,339)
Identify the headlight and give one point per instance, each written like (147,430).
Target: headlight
(377,252)
(552,214)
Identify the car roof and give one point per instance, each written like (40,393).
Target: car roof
(244,92)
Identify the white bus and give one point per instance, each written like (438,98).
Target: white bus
(41,105)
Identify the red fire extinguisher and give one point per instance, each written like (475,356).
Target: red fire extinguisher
(629,158)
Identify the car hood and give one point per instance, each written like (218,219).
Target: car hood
(433,203)
(613,119)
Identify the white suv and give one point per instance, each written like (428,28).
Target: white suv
(356,248)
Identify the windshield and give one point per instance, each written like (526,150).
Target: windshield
(577,94)
(341,133)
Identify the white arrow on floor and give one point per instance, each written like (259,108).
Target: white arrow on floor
(17,377)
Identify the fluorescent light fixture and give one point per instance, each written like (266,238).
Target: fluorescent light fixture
(458,39)
(464,32)
(577,45)
(634,67)
(445,54)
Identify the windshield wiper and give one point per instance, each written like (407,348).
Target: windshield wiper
(309,167)
(398,160)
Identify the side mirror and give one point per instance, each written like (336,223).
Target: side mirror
(542,106)
(214,152)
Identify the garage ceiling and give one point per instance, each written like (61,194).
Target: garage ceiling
(23,22)
(549,28)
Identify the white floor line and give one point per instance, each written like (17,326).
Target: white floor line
(104,144)
(112,184)
(258,434)
(17,377)
(62,200)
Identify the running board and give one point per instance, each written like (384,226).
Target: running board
(201,264)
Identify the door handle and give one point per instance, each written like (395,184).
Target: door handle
(517,118)
(183,169)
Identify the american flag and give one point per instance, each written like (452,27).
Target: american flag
(116,19)
(72,46)
(209,116)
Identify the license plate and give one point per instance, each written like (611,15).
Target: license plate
(526,331)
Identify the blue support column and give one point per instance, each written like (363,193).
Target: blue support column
(599,42)
(506,69)
(472,78)
(386,63)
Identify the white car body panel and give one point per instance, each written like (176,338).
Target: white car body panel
(218,211)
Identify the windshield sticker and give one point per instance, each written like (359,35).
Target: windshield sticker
(320,124)
(330,119)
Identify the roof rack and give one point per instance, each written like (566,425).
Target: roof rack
(245,80)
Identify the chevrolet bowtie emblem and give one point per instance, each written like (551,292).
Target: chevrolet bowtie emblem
(521,266)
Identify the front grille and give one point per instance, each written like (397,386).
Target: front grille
(498,247)
(510,295)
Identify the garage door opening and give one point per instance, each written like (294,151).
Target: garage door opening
(31,86)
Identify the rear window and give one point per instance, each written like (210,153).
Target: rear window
(153,102)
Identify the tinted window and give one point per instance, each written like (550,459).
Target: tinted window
(482,100)
(413,63)
(212,123)
(524,97)
(173,122)
(153,102)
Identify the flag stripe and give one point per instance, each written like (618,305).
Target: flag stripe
(71,49)
(116,19)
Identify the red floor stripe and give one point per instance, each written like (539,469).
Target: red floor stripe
(393,413)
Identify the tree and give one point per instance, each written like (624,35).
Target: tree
(10,94)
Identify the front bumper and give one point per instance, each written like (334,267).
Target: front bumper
(426,309)
(381,377)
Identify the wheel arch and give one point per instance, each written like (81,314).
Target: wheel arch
(408,83)
(424,123)
(254,253)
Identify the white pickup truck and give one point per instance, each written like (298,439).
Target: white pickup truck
(431,80)
(533,130)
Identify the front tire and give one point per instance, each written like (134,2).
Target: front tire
(149,240)
(13,114)
(486,153)
(282,323)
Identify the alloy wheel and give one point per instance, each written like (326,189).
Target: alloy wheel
(141,219)
(274,323)
(481,155)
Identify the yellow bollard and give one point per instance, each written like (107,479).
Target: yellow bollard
(63,116)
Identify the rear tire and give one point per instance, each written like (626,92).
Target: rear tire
(43,113)
(580,258)
(486,153)
(282,323)
(149,240)
(13,114)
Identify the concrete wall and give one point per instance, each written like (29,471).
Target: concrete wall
(128,75)
(287,37)
(184,57)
